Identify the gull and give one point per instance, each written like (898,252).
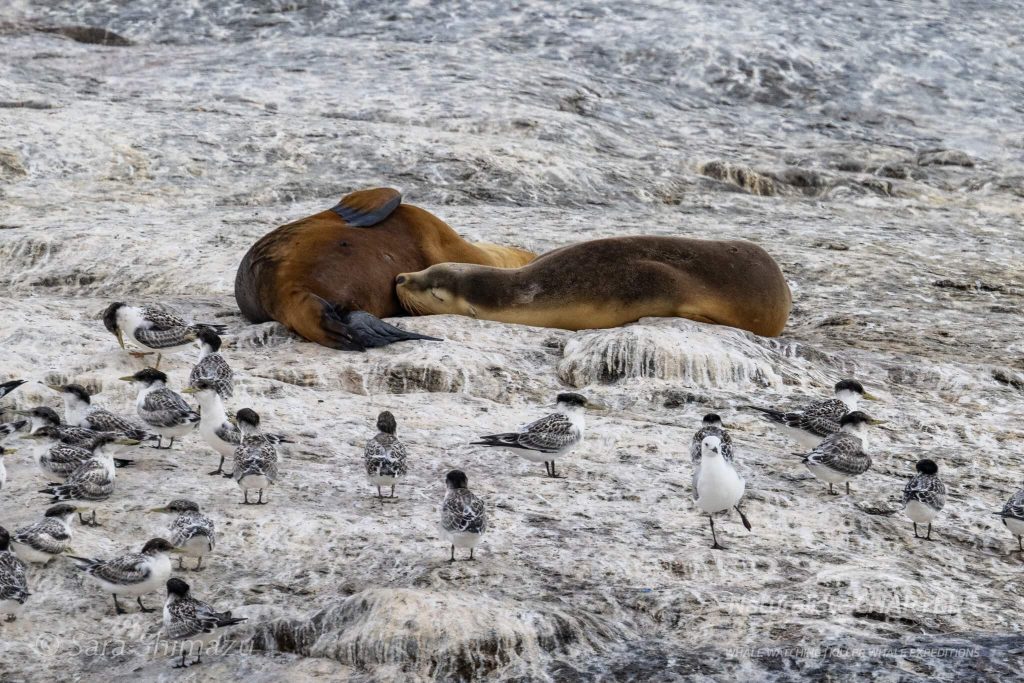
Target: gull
(133,574)
(152,328)
(808,426)
(717,486)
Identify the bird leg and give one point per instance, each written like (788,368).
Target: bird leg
(117,606)
(379,494)
(220,467)
(261,501)
(199,564)
(159,441)
(199,658)
(453,553)
(716,545)
(246,492)
(830,490)
(847,488)
(392,491)
(929,536)
(1020,544)
(743,518)
(181,561)
(171,444)
(915,530)
(471,558)
(159,357)
(91,521)
(182,665)
(143,607)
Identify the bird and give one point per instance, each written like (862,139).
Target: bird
(711,425)
(13,581)
(161,409)
(46,539)
(63,458)
(211,365)
(90,482)
(717,486)
(924,496)
(80,412)
(549,438)
(385,455)
(215,428)
(192,532)
(841,456)
(3,468)
(9,386)
(1012,515)
(463,516)
(44,421)
(153,329)
(810,425)
(8,428)
(255,465)
(133,574)
(192,621)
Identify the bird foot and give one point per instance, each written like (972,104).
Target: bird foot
(718,546)
(92,523)
(146,610)
(180,665)
(11,618)
(216,472)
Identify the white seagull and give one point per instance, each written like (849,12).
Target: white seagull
(549,438)
(717,487)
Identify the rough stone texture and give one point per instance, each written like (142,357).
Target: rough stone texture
(143,171)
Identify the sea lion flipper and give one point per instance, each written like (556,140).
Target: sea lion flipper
(359,330)
(366,208)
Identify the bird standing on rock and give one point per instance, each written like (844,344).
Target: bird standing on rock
(44,540)
(191,531)
(842,456)
(80,412)
(152,329)
(717,486)
(549,438)
(463,516)
(385,455)
(191,622)
(211,366)
(13,583)
(810,425)
(160,408)
(134,574)
(924,496)
(255,458)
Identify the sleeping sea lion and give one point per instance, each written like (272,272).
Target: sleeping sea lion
(330,277)
(611,282)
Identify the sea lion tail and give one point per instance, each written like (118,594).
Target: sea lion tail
(359,330)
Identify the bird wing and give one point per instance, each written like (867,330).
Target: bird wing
(46,536)
(65,459)
(841,452)
(215,369)
(463,511)
(162,320)
(126,570)
(189,525)
(90,481)
(820,418)
(256,456)
(229,433)
(385,456)
(165,408)
(547,435)
(13,582)
(161,339)
(926,488)
(1015,506)
(9,428)
(101,420)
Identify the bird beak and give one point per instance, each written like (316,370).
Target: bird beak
(120,338)
(870,397)
(26,413)
(31,436)
(163,509)
(594,405)
(129,378)
(189,390)
(874,421)
(126,442)
(175,551)
(8,450)
(55,387)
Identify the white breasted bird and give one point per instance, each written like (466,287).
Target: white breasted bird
(385,455)
(549,438)
(40,542)
(808,426)
(192,532)
(133,574)
(463,516)
(153,329)
(924,496)
(13,581)
(212,366)
(718,487)
(843,455)
(192,623)
(161,409)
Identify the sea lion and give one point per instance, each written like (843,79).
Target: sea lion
(330,277)
(611,282)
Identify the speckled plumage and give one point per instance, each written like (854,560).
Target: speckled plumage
(463,512)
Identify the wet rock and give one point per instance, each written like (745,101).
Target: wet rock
(90,35)
(742,177)
(11,167)
(701,355)
(945,157)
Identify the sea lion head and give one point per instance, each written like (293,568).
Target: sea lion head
(436,290)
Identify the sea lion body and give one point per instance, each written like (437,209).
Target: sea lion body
(313,274)
(614,281)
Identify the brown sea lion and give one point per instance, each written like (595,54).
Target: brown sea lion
(611,282)
(330,277)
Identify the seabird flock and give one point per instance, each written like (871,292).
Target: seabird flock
(81,450)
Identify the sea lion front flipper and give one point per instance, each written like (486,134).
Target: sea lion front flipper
(366,208)
(359,330)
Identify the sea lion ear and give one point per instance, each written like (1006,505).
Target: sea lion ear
(366,208)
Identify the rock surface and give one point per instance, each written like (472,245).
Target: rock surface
(147,145)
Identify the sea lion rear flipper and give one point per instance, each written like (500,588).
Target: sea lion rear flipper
(359,330)
(366,208)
